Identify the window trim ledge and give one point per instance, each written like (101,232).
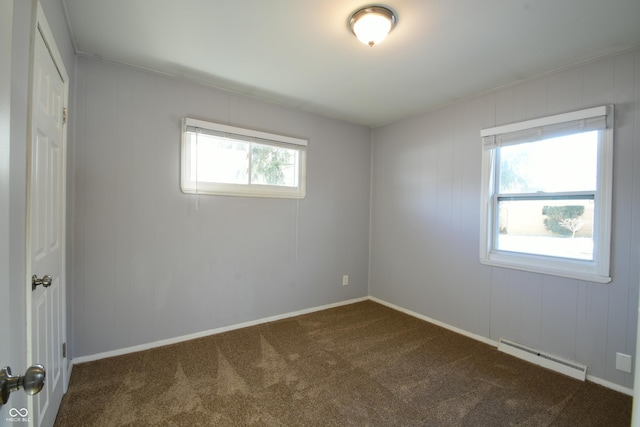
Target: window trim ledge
(250,190)
(584,276)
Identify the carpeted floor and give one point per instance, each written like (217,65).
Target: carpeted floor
(358,365)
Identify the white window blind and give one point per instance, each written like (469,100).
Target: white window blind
(548,127)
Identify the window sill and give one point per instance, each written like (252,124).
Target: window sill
(246,191)
(533,268)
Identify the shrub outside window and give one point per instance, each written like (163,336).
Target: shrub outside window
(220,159)
(546,195)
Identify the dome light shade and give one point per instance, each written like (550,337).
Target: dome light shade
(372,24)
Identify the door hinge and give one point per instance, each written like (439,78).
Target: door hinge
(64,349)
(64,115)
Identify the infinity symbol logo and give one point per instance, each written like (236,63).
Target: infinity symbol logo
(13,412)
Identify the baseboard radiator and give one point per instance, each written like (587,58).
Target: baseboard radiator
(564,366)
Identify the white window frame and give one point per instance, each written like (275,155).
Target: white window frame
(191,186)
(597,118)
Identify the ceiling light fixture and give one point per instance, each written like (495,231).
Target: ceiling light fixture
(372,24)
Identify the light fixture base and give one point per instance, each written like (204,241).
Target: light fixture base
(377,31)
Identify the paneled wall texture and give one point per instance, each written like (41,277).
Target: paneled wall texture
(425,222)
(151,263)
(396,208)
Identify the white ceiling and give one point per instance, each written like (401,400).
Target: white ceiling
(300,53)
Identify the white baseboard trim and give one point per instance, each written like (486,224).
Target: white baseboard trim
(148,346)
(608,384)
(169,341)
(593,379)
(437,322)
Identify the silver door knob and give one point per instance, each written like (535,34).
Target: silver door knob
(45,281)
(32,381)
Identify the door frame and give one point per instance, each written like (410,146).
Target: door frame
(6,40)
(41,26)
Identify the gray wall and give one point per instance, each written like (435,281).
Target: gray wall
(148,265)
(425,222)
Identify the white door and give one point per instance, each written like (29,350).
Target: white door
(46,224)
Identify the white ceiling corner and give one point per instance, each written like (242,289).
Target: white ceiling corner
(302,53)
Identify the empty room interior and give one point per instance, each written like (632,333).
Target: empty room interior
(251,213)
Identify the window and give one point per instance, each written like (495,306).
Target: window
(227,160)
(546,195)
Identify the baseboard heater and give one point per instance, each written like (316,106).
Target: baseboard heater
(567,367)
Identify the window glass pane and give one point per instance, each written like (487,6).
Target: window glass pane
(271,165)
(557,228)
(567,163)
(219,159)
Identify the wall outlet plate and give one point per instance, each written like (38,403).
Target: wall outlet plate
(623,362)
(345,280)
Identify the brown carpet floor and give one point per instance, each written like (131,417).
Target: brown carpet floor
(362,364)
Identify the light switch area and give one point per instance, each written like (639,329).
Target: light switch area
(345,280)
(623,362)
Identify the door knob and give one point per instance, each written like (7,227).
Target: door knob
(32,381)
(45,281)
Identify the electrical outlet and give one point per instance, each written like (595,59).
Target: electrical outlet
(345,280)
(623,362)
